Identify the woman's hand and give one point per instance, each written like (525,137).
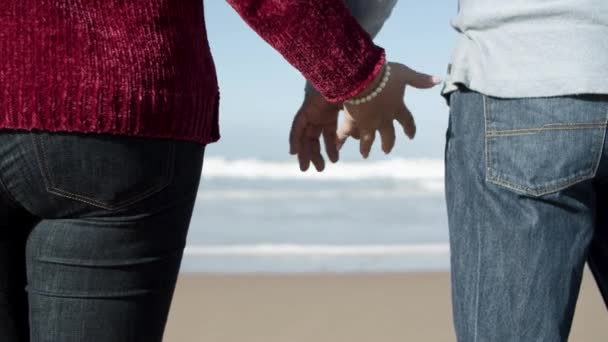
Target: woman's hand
(363,120)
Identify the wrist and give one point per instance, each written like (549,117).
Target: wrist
(374,88)
(316,101)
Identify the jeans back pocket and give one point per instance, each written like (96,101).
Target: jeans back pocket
(109,172)
(538,146)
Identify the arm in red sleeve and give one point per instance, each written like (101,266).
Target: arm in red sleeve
(321,39)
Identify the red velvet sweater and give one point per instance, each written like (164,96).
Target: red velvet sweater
(143,67)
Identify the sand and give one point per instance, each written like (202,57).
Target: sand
(335,308)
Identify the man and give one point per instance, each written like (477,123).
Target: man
(526,164)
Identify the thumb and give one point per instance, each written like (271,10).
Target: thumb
(420,80)
(340,140)
(346,130)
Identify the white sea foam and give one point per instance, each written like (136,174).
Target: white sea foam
(441,249)
(423,189)
(395,169)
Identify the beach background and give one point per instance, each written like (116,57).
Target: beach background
(357,253)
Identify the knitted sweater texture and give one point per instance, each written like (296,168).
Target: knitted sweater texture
(144,68)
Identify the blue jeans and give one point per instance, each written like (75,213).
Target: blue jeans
(527,190)
(92,231)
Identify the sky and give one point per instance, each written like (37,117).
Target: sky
(261,92)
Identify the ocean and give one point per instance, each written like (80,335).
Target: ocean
(262,216)
(256,212)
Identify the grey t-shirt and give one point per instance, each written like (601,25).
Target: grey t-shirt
(531,48)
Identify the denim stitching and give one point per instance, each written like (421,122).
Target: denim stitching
(104,205)
(479,245)
(546,189)
(42,165)
(549,188)
(477,285)
(551,127)
(537,193)
(111,263)
(601,151)
(83,294)
(486,142)
(8,195)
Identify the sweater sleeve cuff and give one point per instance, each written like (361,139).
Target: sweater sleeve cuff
(353,93)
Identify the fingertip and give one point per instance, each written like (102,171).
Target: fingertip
(319,165)
(388,146)
(340,143)
(304,166)
(411,134)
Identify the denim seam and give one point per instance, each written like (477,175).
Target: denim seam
(543,190)
(529,131)
(547,189)
(83,294)
(479,245)
(60,192)
(485,124)
(7,194)
(477,284)
(111,264)
(601,151)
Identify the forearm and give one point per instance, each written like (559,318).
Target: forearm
(320,38)
(371,15)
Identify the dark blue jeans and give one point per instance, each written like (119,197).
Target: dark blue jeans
(527,191)
(92,231)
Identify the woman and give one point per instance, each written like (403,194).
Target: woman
(105,111)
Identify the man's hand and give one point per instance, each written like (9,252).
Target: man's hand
(363,120)
(317,117)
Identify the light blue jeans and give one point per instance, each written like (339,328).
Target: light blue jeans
(527,190)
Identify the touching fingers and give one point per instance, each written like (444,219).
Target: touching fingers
(405,118)
(356,133)
(345,131)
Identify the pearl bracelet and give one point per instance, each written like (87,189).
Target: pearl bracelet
(378,90)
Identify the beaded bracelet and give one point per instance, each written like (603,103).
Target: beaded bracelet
(378,90)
